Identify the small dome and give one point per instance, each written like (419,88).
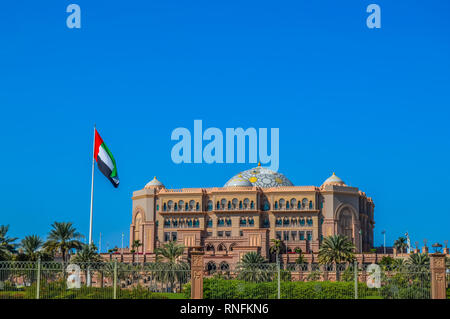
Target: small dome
(262,177)
(238,181)
(334,180)
(154,183)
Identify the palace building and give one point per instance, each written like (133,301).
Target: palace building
(252,208)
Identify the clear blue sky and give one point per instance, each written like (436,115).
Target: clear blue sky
(371,105)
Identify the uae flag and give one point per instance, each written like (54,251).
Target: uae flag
(105,160)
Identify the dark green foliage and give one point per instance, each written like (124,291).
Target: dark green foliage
(406,286)
(216,288)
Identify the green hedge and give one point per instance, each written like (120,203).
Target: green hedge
(218,288)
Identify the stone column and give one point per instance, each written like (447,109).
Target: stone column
(197,274)
(438,284)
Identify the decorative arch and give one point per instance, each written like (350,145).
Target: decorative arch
(346,221)
(222,247)
(232,245)
(210,247)
(139,210)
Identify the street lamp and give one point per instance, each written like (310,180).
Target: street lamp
(384,241)
(437,248)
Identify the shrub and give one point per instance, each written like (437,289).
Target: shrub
(217,288)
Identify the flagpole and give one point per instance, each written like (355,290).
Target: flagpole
(92,190)
(88,279)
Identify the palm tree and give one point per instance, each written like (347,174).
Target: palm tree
(7,245)
(170,267)
(62,238)
(253,267)
(112,251)
(86,256)
(277,246)
(336,249)
(400,244)
(418,261)
(301,260)
(31,246)
(136,244)
(170,252)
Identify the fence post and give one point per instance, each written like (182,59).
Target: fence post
(278,278)
(196,274)
(355,270)
(438,280)
(115,279)
(38,279)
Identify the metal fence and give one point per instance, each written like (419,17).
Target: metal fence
(114,280)
(109,280)
(313,281)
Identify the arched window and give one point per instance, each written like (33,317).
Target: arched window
(229,205)
(266,206)
(175,208)
(210,205)
(170,205)
(191,205)
(166,222)
(246,202)
(211,267)
(299,205)
(293,202)
(276,205)
(281,201)
(310,204)
(251,221)
(252,205)
(217,205)
(137,226)
(197,206)
(228,221)
(305,202)
(224,266)
(221,247)
(287,205)
(345,224)
(240,205)
(181,204)
(223,203)
(209,247)
(235,203)
(164,207)
(285,221)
